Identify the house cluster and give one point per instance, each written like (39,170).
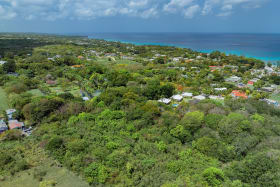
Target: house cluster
(180,97)
(13,123)
(266,71)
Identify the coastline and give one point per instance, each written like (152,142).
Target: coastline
(238,53)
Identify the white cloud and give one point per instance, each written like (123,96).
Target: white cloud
(92,9)
(225,7)
(6,13)
(174,5)
(191,11)
(152,12)
(208,6)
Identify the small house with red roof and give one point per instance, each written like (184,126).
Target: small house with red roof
(15,124)
(239,94)
(250,83)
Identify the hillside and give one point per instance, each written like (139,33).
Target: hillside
(98,113)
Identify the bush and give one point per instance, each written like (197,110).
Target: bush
(213,176)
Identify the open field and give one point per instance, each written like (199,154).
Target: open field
(44,169)
(61,176)
(275,97)
(36,92)
(3,100)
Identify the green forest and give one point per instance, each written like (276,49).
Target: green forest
(95,112)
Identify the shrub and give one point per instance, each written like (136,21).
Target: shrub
(213,176)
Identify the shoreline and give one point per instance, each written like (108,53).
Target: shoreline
(238,53)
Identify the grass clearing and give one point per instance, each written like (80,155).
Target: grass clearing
(36,92)
(275,97)
(44,169)
(3,100)
(61,176)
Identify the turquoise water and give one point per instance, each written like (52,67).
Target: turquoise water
(265,47)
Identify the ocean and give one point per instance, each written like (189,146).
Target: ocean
(265,47)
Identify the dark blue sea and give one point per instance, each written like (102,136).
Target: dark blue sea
(261,46)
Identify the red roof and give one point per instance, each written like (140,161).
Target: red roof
(250,82)
(238,93)
(16,125)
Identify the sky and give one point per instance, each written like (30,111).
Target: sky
(92,16)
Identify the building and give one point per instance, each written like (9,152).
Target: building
(85,98)
(199,97)
(177,97)
(186,94)
(2,62)
(3,126)
(15,124)
(165,101)
(239,94)
(233,79)
(250,83)
(268,89)
(10,113)
(271,102)
(220,89)
(214,97)
(177,59)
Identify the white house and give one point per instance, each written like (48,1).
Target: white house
(233,79)
(176,59)
(165,101)
(2,62)
(220,89)
(214,97)
(85,98)
(177,97)
(199,97)
(186,94)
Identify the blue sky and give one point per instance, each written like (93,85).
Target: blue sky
(84,16)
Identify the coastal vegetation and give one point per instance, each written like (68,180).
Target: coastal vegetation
(117,114)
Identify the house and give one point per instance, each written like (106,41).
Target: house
(255,80)
(271,102)
(2,62)
(250,83)
(15,124)
(199,97)
(177,97)
(186,94)
(241,85)
(127,58)
(214,97)
(269,69)
(176,59)
(220,89)
(85,98)
(268,89)
(165,101)
(230,66)
(233,79)
(10,113)
(189,60)
(185,76)
(76,66)
(213,68)
(3,126)
(238,94)
(50,82)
